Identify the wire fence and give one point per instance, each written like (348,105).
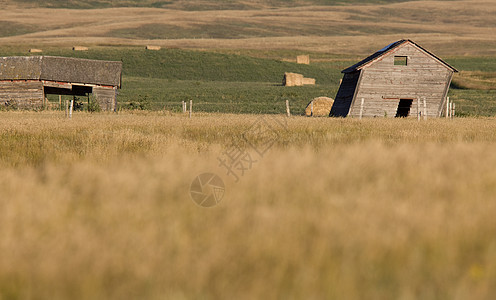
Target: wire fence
(278,107)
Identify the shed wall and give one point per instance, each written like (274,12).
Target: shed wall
(383,84)
(106,98)
(21,94)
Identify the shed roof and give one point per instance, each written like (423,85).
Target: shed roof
(386,50)
(65,69)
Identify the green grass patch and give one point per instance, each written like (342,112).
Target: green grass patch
(216,82)
(221,96)
(203,66)
(474,102)
(243,81)
(484,64)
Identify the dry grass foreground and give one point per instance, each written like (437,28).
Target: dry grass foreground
(446,27)
(98,207)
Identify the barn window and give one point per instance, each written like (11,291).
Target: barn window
(400,60)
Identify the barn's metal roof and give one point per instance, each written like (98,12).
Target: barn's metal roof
(64,69)
(387,49)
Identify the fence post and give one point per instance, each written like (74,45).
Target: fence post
(453,114)
(418,109)
(66,108)
(288,112)
(190,107)
(425,109)
(311,109)
(450,109)
(182,104)
(71,108)
(361,108)
(447,107)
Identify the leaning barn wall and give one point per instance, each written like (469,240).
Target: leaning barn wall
(344,97)
(21,94)
(383,84)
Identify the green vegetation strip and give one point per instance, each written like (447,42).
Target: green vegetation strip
(243,81)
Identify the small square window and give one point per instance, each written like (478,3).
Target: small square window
(400,60)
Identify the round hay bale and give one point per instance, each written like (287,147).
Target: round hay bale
(321,107)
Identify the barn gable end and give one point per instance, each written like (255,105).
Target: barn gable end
(397,75)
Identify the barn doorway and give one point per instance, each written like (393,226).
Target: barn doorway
(404,108)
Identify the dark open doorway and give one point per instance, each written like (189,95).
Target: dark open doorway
(404,108)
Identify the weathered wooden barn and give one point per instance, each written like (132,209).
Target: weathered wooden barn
(26,80)
(392,82)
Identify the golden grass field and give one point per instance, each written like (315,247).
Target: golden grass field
(464,27)
(98,207)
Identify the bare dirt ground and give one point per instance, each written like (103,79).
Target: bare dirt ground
(445,27)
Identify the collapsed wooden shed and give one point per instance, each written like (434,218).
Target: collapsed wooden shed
(26,80)
(392,82)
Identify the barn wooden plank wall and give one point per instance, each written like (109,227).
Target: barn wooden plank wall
(382,83)
(21,94)
(106,98)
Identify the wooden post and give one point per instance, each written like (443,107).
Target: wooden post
(450,109)
(425,109)
(190,107)
(60,101)
(288,112)
(361,108)
(71,108)
(311,108)
(447,107)
(66,108)
(182,103)
(453,114)
(418,109)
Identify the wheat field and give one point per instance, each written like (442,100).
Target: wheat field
(98,207)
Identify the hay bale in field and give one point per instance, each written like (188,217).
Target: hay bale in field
(79,48)
(295,79)
(154,48)
(308,81)
(35,50)
(303,59)
(292,79)
(321,107)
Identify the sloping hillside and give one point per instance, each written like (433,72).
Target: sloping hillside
(445,27)
(190,5)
